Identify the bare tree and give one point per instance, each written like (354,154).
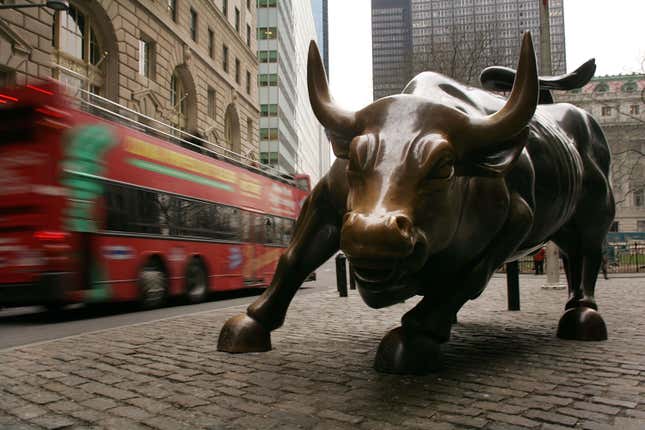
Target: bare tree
(459,54)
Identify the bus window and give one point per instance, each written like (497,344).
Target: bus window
(269,230)
(245,226)
(288,225)
(258,228)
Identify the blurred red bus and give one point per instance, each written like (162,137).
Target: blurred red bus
(97,210)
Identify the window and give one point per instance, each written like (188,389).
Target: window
(146,58)
(265,33)
(629,87)
(75,37)
(172,9)
(268,56)
(249,130)
(193,24)
(211,43)
(268,110)
(7,77)
(606,111)
(267,3)
(248,82)
(248,35)
(268,80)
(602,87)
(211,103)
(269,158)
(237,20)
(225,8)
(614,226)
(178,100)
(634,109)
(237,70)
(248,4)
(225,58)
(269,133)
(639,197)
(640,225)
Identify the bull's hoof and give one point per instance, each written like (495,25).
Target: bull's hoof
(407,353)
(582,323)
(243,334)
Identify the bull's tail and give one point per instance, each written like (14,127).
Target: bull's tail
(497,78)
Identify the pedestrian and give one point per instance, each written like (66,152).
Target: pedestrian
(538,262)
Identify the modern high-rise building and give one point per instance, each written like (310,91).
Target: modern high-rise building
(458,37)
(277,86)
(391,46)
(321,19)
(290,135)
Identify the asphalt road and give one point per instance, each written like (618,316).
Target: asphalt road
(28,325)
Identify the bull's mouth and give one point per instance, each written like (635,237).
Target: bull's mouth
(375,272)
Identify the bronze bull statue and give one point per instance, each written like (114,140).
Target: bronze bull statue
(432,191)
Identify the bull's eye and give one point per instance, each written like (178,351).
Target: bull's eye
(443,170)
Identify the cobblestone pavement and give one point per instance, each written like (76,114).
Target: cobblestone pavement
(503,370)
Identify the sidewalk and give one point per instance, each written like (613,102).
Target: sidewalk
(503,370)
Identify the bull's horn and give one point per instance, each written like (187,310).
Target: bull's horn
(490,132)
(331,116)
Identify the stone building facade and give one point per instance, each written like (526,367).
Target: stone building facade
(618,104)
(191,64)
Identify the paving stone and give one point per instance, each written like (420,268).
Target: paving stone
(100,403)
(552,417)
(53,421)
(29,412)
(502,370)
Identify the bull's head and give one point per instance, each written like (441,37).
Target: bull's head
(408,159)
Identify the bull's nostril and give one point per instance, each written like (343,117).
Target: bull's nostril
(404,224)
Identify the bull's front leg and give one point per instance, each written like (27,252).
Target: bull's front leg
(414,348)
(316,238)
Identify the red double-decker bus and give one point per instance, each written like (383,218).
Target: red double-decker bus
(98,210)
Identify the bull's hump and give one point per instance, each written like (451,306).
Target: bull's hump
(443,90)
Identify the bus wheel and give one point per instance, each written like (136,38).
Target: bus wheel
(196,282)
(152,284)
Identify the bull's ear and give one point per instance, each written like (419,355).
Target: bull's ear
(496,163)
(339,144)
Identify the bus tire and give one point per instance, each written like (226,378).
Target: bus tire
(196,282)
(152,287)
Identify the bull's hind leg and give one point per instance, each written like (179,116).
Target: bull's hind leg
(414,348)
(315,239)
(581,320)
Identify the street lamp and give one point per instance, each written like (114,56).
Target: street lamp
(56,5)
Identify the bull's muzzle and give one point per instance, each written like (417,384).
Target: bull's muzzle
(377,237)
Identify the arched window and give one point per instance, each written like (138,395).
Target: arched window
(232,129)
(629,87)
(178,100)
(602,87)
(78,54)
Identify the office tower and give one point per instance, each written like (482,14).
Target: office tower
(290,135)
(391,46)
(321,19)
(459,37)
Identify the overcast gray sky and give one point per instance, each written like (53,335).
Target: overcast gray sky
(611,31)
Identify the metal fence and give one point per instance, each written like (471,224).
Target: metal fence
(621,258)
